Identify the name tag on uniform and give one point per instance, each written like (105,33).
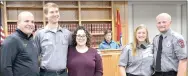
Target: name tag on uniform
(150,55)
(147,53)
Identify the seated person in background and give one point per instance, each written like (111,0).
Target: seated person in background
(108,43)
(82,59)
(136,58)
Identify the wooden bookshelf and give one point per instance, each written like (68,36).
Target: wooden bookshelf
(24,4)
(17,20)
(25,7)
(94,15)
(69,7)
(95,7)
(97,20)
(68,20)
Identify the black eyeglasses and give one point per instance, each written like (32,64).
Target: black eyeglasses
(81,36)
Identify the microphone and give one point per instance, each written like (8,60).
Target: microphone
(142,46)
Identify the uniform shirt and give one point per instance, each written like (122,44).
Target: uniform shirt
(111,45)
(19,56)
(53,46)
(84,64)
(140,64)
(173,50)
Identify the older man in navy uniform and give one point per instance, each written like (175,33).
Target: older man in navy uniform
(169,49)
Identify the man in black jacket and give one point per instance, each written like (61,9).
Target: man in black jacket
(19,55)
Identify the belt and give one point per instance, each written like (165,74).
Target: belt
(58,72)
(165,73)
(129,74)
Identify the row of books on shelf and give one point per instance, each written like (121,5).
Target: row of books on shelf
(96,40)
(71,27)
(11,28)
(92,28)
(38,26)
(97,27)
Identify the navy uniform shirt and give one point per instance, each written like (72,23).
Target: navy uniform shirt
(173,50)
(19,56)
(141,64)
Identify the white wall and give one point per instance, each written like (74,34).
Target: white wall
(184,20)
(146,12)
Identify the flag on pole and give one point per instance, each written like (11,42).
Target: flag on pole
(2,32)
(118,25)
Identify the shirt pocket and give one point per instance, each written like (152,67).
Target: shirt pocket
(155,48)
(47,45)
(46,42)
(65,39)
(168,49)
(134,60)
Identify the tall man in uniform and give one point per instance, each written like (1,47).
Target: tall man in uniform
(169,49)
(18,54)
(53,41)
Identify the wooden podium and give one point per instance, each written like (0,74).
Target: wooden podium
(110,59)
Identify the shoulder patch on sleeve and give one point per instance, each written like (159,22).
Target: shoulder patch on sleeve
(181,43)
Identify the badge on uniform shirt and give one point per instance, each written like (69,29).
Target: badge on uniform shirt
(181,43)
(168,44)
(66,37)
(34,44)
(24,45)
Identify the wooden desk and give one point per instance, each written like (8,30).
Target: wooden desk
(110,60)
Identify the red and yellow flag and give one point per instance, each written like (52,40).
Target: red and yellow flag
(118,25)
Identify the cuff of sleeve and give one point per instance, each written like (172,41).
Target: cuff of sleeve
(182,57)
(122,64)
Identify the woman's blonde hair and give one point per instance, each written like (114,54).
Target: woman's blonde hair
(135,41)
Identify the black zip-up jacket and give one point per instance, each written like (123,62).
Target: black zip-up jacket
(19,56)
